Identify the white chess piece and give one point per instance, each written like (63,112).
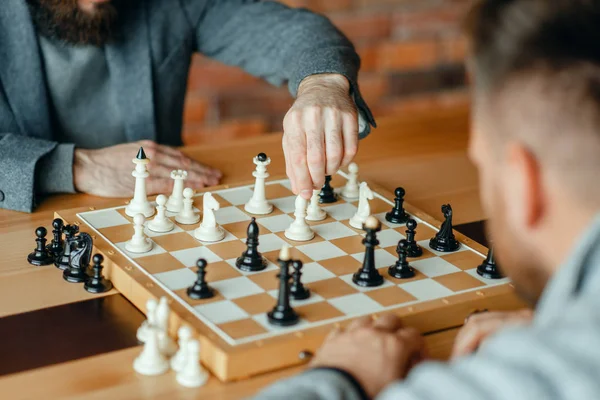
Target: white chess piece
(258,204)
(149,323)
(314,211)
(192,374)
(161,223)
(351,190)
(151,361)
(140,204)
(364,208)
(299,230)
(209,230)
(175,203)
(165,342)
(139,243)
(184,335)
(187,215)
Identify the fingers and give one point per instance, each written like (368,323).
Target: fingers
(334,146)
(158,186)
(388,322)
(315,146)
(288,165)
(362,322)
(413,346)
(350,138)
(297,153)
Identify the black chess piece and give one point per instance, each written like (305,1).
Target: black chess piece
(57,244)
(251,260)
(40,256)
(488,269)
(283,314)
(444,240)
(79,259)
(402,270)
(97,282)
(368,275)
(327,194)
(298,290)
(398,215)
(70,232)
(414,250)
(262,157)
(200,289)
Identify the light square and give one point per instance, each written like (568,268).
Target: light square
(341,212)
(270,242)
(237,196)
(313,272)
(278,223)
(321,251)
(156,249)
(177,279)
(237,287)
(426,289)
(222,312)
(334,230)
(389,237)
(230,215)
(104,218)
(382,258)
(356,304)
(434,267)
(348,280)
(188,257)
(285,204)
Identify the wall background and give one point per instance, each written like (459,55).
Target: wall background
(412,58)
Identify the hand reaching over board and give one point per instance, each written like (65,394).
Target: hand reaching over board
(107,172)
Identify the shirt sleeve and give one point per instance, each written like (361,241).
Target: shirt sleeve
(55,170)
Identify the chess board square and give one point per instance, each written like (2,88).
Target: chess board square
(318,312)
(389,237)
(230,215)
(188,257)
(222,202)
(104,218)
(121,210)
(272,256)
(278,223)
(242,328)
(186,227)
(295,243)
(381,217)
(356,304)
(331,288)
(321,251)
(378,205)
(434,267)
(237,196)
(270,242)
(182,293)
(334,230)
(228,238)
(426,254)
(219,271)
(159,263)
(263,320)
(350,244)
(464,259)
(239,229)
(423,232)
(156,249)
(313,272)
(386,282)
(275,190)
(418,276)
(425,245)
(227,250)
(256,303)
(390,296)
(459,281)
(285,183)
(426,289)
(176,241)
(267,280)
(314,298)
(488,282)
(270,267)
(341,212)
(327,220)
(177,279)
(116,234)
(341,265)
(382,258)
(221,312)
(237,287)
(285,204)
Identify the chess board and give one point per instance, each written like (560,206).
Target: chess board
(237,340)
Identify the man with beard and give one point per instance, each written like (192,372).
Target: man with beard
(84,83)
(536,142)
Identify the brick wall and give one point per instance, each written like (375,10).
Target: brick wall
(412,58)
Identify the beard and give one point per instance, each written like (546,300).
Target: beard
(65,21)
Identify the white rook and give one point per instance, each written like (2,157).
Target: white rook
(175,203)
(140,204)
(258,204)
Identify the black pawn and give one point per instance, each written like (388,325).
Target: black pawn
(251,260)
(298,290)
(41,255)
(200,290)
(62,262)
(98,283)
(489,269)
(56,246)
(327,195)
(398,215)
(444,240)
(368,275)
(402,270)
(283,314)
(414,250)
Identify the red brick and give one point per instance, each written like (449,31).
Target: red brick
(373,87)
(369,57)
(408,55)
(429,21)
(194,134)
(263,101)
(454,49)
(360,28)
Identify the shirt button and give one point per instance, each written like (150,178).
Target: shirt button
(1,196)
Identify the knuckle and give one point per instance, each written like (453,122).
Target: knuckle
(315,158)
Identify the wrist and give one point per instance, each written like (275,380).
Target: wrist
(81,159)
(332,81)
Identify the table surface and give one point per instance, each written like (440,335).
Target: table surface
(74,344)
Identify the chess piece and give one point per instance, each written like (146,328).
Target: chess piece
(283,314)
(139,243)
(57,244)
(79,259)
(175,202)
(163,313)
(98,283)
(209,230)
(151,361)
(184,335)
(327,194)
(41,255)
(351,190)
(161,223)
(150,322)
(62,262)
(488,269)
(140,204)
(192,374)
(444,241)
(314,211)
(258,204)
(298,290)
(398,215)
(368,275)
(187,215)
(251,260)
(299,230)
(402,270)
(414,250)
(364,208)
(200,289)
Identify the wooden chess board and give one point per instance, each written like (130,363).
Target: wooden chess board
(237,341)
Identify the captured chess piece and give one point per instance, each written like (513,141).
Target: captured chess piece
(56,247)
(62,262)
(161,223)
(79,259)
(151,361)
(368,275)
(488,269)
(258,203)
(140,204)
(191,373)
(298,290)
(444,240)
(414,250)
(187,215)
(139,243)
(251,260)
(184,335)
(41,255)
(402,270)
(97,283)
(398,215)
(200,289)
(327,194)
(283,314)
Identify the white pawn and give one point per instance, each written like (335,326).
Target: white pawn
(364,208)
(209,230)
(175,203)
(151,361)
(299,230)
(149,323)
(192,374)
(314,211)
(187,215)
(165,342)
(178,361)
(139,243)
(351,190)
(161,223)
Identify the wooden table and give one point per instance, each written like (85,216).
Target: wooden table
(425,153)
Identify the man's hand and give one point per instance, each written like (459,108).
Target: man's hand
(107,172)
(376,353)
(480,326)
(320,132)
